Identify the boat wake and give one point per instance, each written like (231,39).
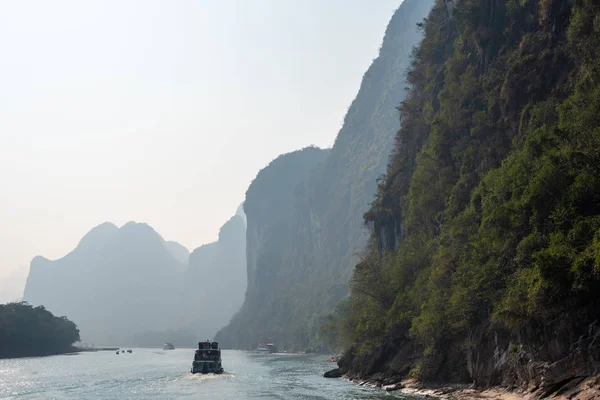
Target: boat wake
(204,377)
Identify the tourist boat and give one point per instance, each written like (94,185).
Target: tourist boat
(267,348)
(207,359)
(168,346)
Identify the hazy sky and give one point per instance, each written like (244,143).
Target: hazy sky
(162,111)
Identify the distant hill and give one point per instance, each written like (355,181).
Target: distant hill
(120,283)
(241,213)
(114,283)
(12,284)
(178,251)
(215,281)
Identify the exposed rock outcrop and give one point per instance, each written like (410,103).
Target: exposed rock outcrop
(334,373)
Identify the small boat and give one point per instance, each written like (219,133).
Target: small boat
(207,359)
(117,351)
(168,346)
(129,351)
(267,348)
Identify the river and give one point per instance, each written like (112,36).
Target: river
(159,374)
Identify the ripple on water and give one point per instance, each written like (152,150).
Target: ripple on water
(154,374)
(203,377)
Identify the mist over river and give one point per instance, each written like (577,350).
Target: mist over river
(160,374)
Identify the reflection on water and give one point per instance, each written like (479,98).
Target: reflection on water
(152,374)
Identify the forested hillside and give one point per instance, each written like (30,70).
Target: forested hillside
(484,259)
(295,281)
(32,332)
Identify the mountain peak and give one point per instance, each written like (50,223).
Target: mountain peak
(99,234)
(134,225)
(38,260)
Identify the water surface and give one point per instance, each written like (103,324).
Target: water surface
(160,374)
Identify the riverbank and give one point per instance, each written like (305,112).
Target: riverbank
(34,354)
(577,389)
(94,349)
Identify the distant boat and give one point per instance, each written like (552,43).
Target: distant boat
(168,346)
(129,351)
(267,348)
(207,359)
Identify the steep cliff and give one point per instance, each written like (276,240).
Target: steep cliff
(270,208)
(483,265)
(297,278)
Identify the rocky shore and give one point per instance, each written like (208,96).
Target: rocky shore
(563,366)
(580,389)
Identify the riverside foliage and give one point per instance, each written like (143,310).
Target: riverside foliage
(27,331)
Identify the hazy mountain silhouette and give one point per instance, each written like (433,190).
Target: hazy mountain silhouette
(120,283)
(115,282)
(241,213)
(12,284)
(178,251)
(215,281)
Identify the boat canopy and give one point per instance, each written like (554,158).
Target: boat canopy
(208,345)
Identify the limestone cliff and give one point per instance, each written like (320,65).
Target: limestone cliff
(301,253)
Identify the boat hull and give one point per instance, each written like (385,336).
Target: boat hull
(268,348)
(201,367)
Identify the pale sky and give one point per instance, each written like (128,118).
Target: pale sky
(162,111)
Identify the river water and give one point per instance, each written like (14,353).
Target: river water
(159,374)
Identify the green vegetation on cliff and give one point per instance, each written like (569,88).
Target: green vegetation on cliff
(486,226)
(27,331)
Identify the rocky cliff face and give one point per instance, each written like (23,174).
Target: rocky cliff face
(539,360)
(340,190)
(541,363)
(269,207)
(301,249)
